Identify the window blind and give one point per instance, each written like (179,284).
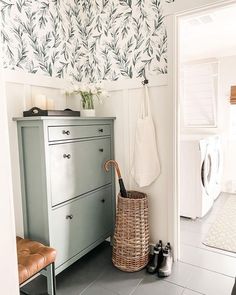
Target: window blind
(199,94)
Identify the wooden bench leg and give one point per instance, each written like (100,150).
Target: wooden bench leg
(51,279)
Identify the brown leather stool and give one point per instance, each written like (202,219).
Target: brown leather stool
(34,257)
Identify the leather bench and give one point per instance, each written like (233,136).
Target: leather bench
(34,257)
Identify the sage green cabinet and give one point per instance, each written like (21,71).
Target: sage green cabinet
(83,160)
(87,218)
(68,198)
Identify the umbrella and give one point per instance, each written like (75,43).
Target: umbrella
(123,191)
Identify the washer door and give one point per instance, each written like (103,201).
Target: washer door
(207,175)
(219,163)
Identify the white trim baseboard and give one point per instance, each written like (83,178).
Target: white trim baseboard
(123,84)
(22,77)
(25,78)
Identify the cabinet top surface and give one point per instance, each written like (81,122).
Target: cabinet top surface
(61,118)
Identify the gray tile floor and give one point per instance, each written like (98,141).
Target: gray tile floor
(212,271)
(201,270)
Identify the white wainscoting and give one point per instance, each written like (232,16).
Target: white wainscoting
(123,103)
(125,106)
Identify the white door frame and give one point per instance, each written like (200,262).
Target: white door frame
(173,13)
(8,255)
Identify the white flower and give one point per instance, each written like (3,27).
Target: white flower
(86,87)
(88,92)
(76,88)
(99,86)
(70,90)
(83,87)
(93,89)
(71,79)
(104,93)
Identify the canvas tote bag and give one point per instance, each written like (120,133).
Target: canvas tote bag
(146,164)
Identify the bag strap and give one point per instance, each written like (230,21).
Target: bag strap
(145,110)
(147,98)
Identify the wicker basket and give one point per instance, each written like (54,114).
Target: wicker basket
(131,238)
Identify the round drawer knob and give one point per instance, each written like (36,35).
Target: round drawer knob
(100,130)
(68,156)
(69,216)
(101,150)
(103,200)
(67,132)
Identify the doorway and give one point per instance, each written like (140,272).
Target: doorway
(206,140)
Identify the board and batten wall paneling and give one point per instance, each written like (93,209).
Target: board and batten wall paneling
(123,103)
(82,40)
(20,96)
(125,106)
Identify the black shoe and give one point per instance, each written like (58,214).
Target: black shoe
(156,259)
(166,265)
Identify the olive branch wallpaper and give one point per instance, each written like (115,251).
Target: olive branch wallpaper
(84,39)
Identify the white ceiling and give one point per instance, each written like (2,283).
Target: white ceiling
(208,35)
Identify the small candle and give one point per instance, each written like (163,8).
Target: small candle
(50,104)
(40,101)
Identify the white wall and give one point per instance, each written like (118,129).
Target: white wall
(8,258)
(124,102)
(227,78)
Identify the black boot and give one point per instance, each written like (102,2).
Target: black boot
(156,259)
(166,265)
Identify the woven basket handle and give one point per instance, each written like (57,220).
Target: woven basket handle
(114,163)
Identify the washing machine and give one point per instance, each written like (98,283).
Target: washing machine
(198,175)
(218,164)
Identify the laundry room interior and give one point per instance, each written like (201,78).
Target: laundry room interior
(207,132)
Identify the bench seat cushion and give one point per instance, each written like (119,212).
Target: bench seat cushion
(32,258)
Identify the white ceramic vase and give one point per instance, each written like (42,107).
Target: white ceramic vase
(87,113)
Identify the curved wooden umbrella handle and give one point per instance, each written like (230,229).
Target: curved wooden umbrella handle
(115,164)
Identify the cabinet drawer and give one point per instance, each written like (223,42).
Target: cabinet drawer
(79,224)
(77,168)
(74,132)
